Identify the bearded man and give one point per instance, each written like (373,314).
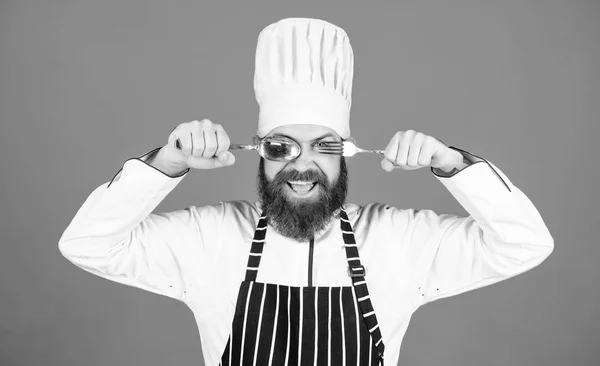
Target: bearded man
(301,276)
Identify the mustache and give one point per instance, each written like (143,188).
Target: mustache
(294,175)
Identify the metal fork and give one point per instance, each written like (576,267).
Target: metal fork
(344,148)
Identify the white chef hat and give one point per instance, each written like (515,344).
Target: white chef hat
(303,75)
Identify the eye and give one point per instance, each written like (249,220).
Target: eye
(323,142)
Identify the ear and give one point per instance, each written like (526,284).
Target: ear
(256,139)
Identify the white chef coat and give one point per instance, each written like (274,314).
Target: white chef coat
(198,255)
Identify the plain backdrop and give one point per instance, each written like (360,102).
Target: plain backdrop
(86,85)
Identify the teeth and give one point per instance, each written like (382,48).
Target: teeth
(300,182)
(302,187)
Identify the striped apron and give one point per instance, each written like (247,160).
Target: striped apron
(284,325)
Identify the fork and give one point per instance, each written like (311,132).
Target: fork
(344,148)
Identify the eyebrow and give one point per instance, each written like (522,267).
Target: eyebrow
(329,134)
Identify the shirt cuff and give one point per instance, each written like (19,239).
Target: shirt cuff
(470,160)
(144,158)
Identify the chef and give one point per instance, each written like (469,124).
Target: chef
(301,277)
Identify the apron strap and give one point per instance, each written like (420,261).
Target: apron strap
(256,249)
(357,272)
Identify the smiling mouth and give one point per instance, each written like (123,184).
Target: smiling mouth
(302,187)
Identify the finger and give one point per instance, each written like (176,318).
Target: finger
(414,150)
(198,139)
(210,143)
(426,153)
(185,140)
(221,161)
(403,146)
(198,162)
(224,159)
(387,165)
(222,140)
(196,128)
(391,150)
(172,140)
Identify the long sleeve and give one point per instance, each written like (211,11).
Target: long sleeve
(503,236)
(115,236)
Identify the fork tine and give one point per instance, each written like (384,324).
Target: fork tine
(331,147)
(330,150)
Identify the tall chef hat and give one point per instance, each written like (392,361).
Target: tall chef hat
(303,75)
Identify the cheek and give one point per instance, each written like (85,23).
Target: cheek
(272,168)
(332,170)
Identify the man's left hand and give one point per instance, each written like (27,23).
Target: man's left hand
(410,150)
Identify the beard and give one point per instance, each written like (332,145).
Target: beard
(300,219)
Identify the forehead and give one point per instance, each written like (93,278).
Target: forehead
(303,132)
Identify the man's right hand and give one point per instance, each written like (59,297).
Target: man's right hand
(202,145)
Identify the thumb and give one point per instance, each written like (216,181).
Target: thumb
(225,158)
(387,165)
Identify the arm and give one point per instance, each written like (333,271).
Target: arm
(503,236)
(115,236)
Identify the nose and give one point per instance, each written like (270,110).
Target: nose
(306,160)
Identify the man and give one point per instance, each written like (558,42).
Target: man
(301,276)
